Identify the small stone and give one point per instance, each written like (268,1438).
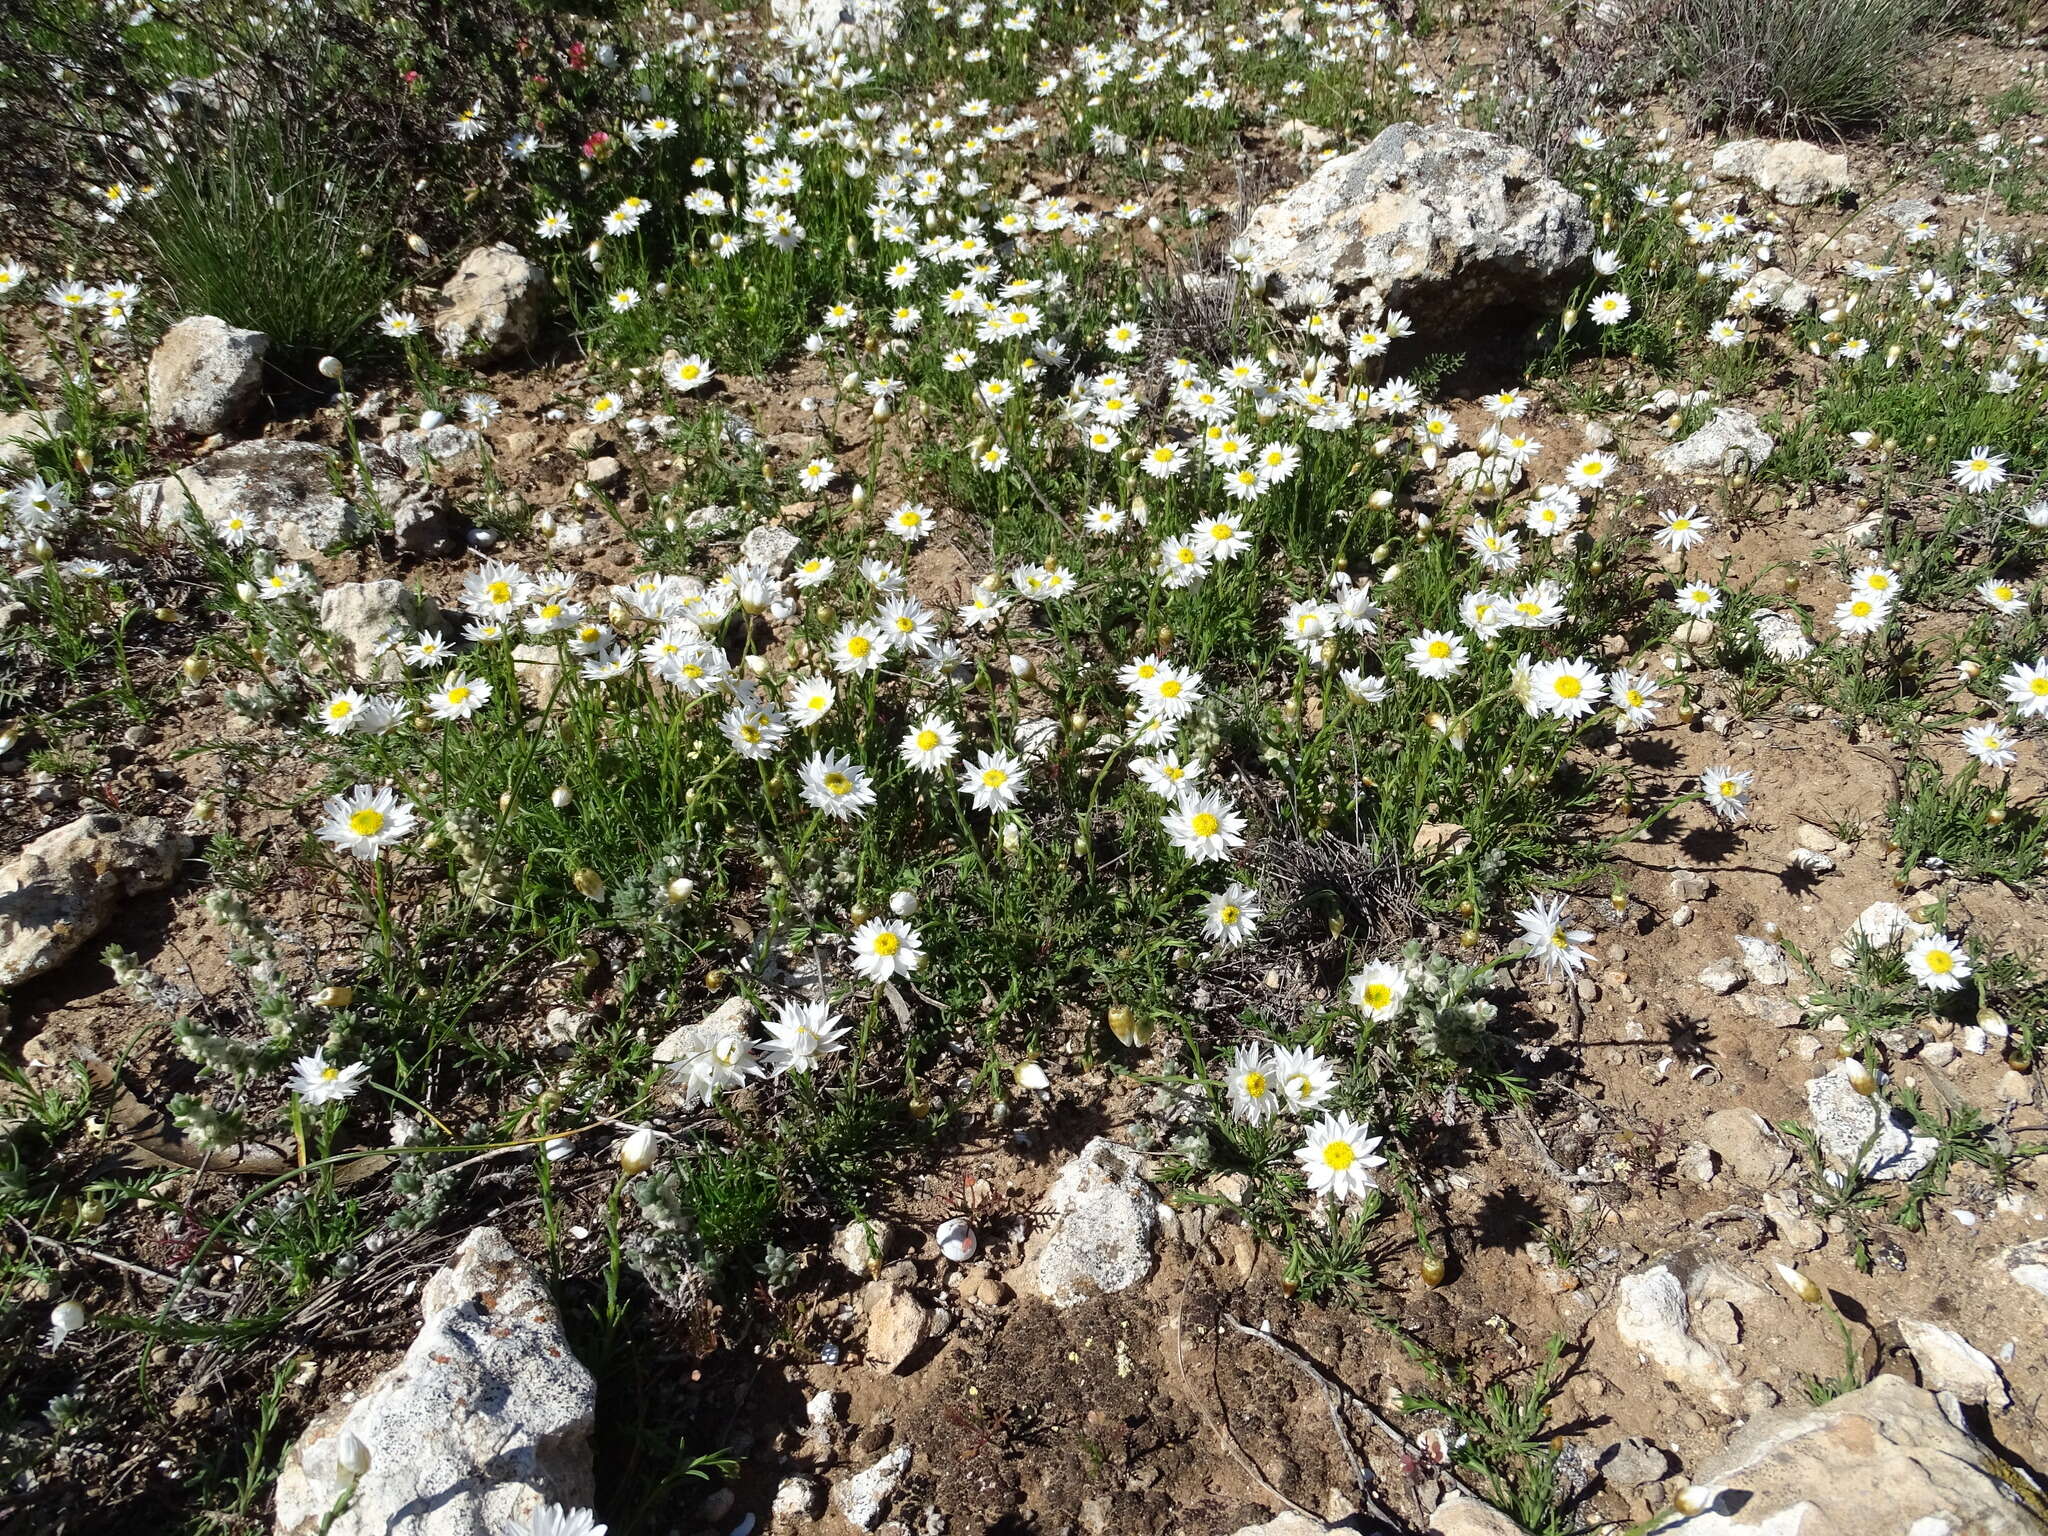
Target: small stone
(1680,916)
(493,305)
(1938,1053)
(796,1498)
(1950,1363)
(770,547)
(1696,1162)
(1764,961)
(61,890)
(1440,837)
(1721,978)
(898,1324)
(861,1247)
(1815,839)
(1689,885)
(862,1498)
(1632,1462)
(364,617)
(1103,1217)
(1746,1143)
(205,375)
(1730,443)
(2015,1087)
(603,473)
(1845,1120)
(1792,171)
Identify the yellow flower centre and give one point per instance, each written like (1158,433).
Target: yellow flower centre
(366,822)
(1228,915)
(858,646)
(1569,687)
(994,778)
(340,709)
(1170,689)
(1378,995)
(1254,1085)
(838,783)
(1205,824)
(329,1074)
(458,695)
(1338,1156)
(926,740)
(887,943)
(1940,961)
(1439,649)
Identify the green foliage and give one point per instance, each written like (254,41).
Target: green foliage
(258,225)
(1963,825)
(1804,64)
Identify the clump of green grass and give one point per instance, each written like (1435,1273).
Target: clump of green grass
(257,227)
(1808,64)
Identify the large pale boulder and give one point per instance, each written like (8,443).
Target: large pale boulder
(286,490)
(62,889)
(22,432)
(204,375)
(1104,1215)
(1732,442)
(486,1418)
(364,616)
(1880,1459)
(492,307)
(1440,222)
(1792,171)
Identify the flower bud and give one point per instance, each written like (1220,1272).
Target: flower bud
(903,903)
(1696,1499)
(330,367)
(337,996)
(196,668)
(562,797)
(1799,1285)
(430,420)
(636,1152)
(590,883)
(1860,1077)
(1030,1076)
(351,1458)
(1023,667)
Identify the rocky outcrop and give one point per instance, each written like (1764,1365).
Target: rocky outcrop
(1730,443)
(1440,222)
(486,1418)
(362,616)
(1103,1216)
(492,307)
(284,490)
(63,888)
(205,375)
(1881,1458)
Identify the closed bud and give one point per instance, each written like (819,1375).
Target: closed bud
(334,997)
(1380,500)
(590,883)
(1860,1077)
(1433,1270)
(903,903)
(196,668)
(679,890)
(562,797)
(1023,667)
(1799,1285)
(636,1152)
(351,1458)
(330,367)
(1696,1499)
(1030,1077)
